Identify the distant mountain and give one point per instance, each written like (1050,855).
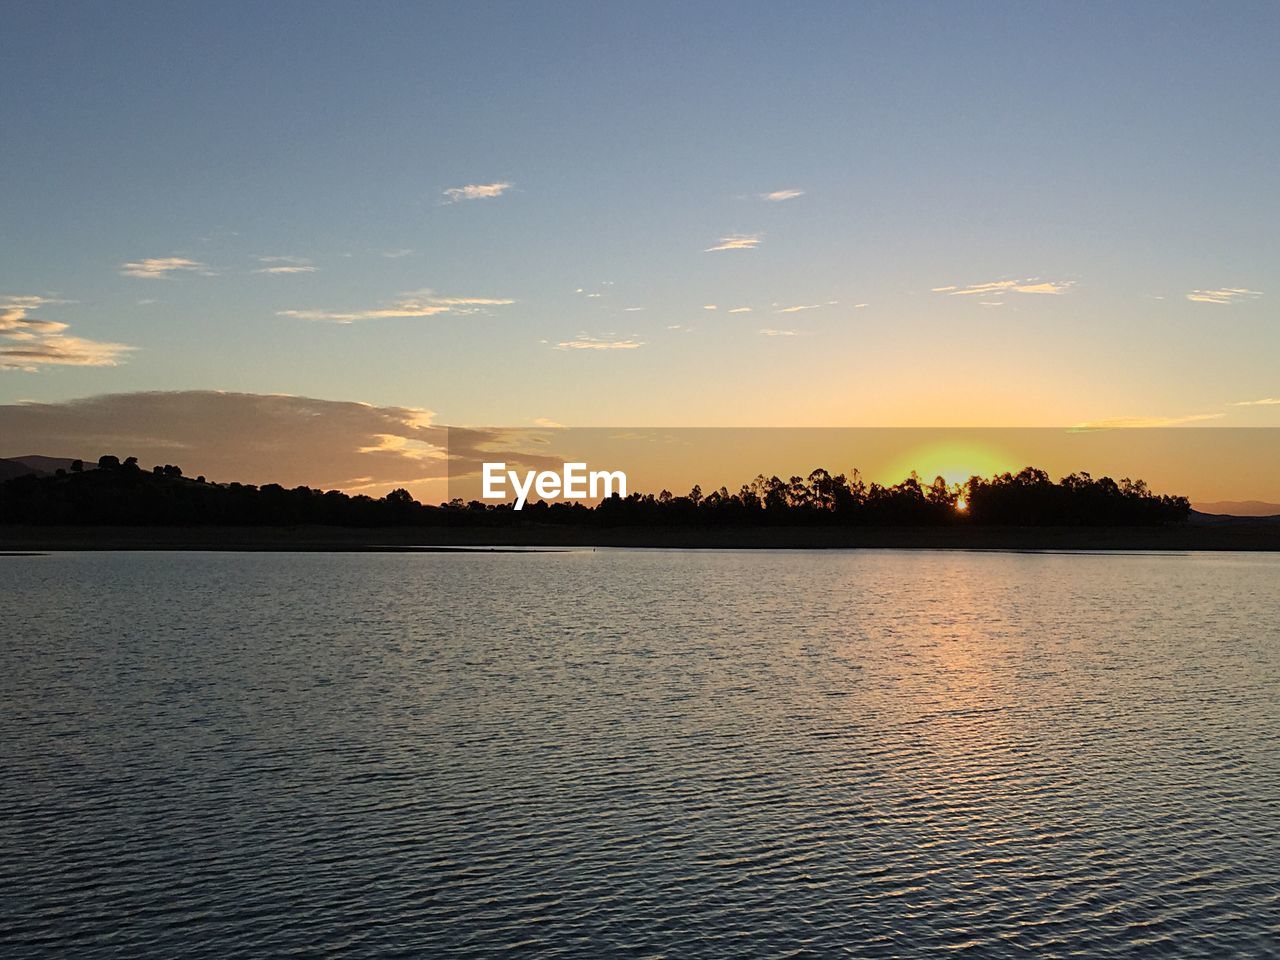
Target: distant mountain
(1239,508)
(37,465)
(1227,520)
(44,465)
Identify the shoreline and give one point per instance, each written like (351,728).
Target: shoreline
(1240,536)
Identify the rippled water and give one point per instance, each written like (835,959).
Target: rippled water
(642,754)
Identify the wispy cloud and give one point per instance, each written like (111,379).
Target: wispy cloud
(1137,423)
(161,268)
(476,191)
(30,302)
(771,332)
(993,287)
(737,241)
(469,301)
(420,303)
(799,308)
(406,447)
(1264,402)
(28,343)
(548,423)
(780,195)
(285,265)
(709,306)
(400,308)
(397,254)
(15,323)
(1051,287)
(1227,295)
(60,350)
(740,310)
(585,342)
(632,309)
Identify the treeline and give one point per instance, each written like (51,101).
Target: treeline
(1027,498)
(124,494)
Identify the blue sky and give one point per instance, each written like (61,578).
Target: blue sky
(1074,172)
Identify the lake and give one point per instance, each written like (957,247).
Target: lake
(640,754)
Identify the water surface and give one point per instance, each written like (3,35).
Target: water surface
(627,753)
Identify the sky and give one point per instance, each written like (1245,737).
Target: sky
(719,214)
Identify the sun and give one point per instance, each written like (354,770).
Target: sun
(962,505)
(954,460)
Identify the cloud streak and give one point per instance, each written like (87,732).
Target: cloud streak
(476,191)
(1264,402)
(585,342)
(161,268)
(779,195)
(996,287)
(285,265)
(737,241)
(1223,297)
(420,303)
(1140,423)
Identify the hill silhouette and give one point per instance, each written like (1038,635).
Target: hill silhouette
(1238,508)
(120,493)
